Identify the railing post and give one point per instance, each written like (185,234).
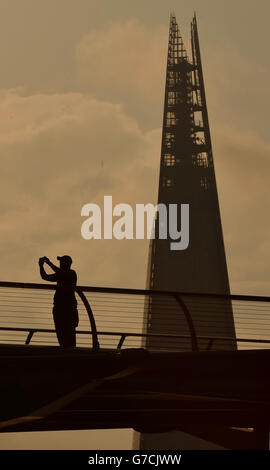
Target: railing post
(95,342)
(29,337)
(194,342)
(121,341)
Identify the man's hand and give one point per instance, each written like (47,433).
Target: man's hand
(44,275)
(41,261)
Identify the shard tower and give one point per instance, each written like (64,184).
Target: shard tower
(187,176)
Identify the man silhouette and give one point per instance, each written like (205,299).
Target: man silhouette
(65,313)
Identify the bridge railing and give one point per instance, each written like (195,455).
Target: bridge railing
(115,318)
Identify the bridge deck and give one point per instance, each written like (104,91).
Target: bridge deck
(49,388)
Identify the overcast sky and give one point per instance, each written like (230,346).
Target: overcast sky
(81,99)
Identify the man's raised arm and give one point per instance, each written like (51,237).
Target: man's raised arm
(52,266)
(43,274)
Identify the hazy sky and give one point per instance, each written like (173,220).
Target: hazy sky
(81,98)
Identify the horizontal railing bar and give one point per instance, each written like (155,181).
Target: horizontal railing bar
(117,290)
(142,335)
(27,285)
(35,324)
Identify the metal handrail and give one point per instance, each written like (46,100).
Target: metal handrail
(177,295)
(78,290)
(124,335)
(120,290)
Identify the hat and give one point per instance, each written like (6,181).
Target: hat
(66,258)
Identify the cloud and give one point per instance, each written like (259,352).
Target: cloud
(236,88)
(59,152)
(126,62)
(242,166)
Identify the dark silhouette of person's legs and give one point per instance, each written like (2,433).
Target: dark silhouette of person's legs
(69,337)
(65,328)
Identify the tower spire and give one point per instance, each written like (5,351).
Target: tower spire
(176,48)
(187,176)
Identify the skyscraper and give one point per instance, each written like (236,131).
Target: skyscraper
(187,176)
